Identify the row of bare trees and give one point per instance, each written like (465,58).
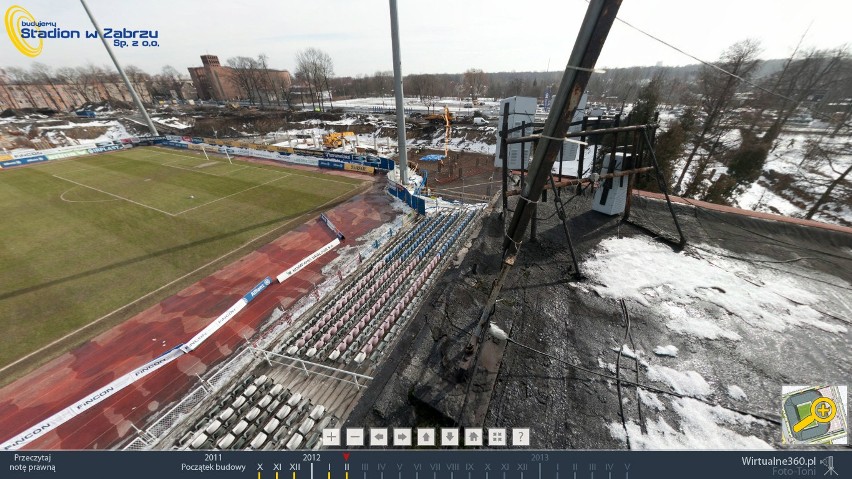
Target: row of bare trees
(258,83)
(734,115)
(314,69)
(66,88)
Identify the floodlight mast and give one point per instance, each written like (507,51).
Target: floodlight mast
(133,94)
(400,106)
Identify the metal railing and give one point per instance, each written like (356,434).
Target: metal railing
(271,357)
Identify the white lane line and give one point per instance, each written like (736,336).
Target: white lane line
(116,196)
(228,196)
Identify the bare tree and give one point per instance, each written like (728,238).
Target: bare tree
(425,87)
(247,77)
(19,76)
(813,72)
(43,76)
(475,83)
(314,67)
(718,94)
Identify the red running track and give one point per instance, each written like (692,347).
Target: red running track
(68,378)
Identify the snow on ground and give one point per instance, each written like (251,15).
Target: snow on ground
(56,135)
(736,393)
(687,320)
(787,159)
(651,400)
(703,294)
(701,426)
(669,350)
(692,424)
(689,383)
(173,122)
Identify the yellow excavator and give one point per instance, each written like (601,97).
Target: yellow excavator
(440,118)
(336,139)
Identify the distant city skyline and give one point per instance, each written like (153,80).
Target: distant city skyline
(437,36)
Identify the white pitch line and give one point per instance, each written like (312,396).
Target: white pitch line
(284,164)
(228,196)
(191,170)
(112,194)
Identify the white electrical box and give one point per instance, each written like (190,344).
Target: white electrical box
(611,195)
(521,109)
(570,150)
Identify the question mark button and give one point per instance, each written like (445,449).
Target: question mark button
(521,436)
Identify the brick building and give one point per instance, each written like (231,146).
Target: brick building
(212,81)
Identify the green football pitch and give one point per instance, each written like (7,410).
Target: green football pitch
(83,237)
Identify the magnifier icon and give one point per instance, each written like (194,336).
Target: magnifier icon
(822,411)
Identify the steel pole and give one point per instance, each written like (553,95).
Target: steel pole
(133,94)
(400,106)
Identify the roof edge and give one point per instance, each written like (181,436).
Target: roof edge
(748,213)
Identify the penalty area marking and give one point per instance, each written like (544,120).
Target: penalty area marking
(193,170)
(284,164)
(63,198)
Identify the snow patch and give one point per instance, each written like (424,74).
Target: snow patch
(701,427)
(497,332)
(689,383)
(737,393)
(703,293)
(670,350)
(651,400)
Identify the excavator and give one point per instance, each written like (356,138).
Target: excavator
(440,118)
(336,139)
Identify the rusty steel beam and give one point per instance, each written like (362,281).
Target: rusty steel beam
(599,18)
(590,40)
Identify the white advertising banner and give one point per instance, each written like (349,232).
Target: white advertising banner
(310,259)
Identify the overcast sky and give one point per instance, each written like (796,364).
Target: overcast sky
(438,36)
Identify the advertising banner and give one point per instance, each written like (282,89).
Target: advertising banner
(310,259)
(214,326)
(338,156)
(307,152)
(101,149)
(359,168)
(257,289)
(90,400)
(298,160)
(23,161)
(331,164)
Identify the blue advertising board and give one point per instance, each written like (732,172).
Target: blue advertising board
(257,289)
(338,156)
(23,161)
(331,164)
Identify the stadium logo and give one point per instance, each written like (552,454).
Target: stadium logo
(16,18)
